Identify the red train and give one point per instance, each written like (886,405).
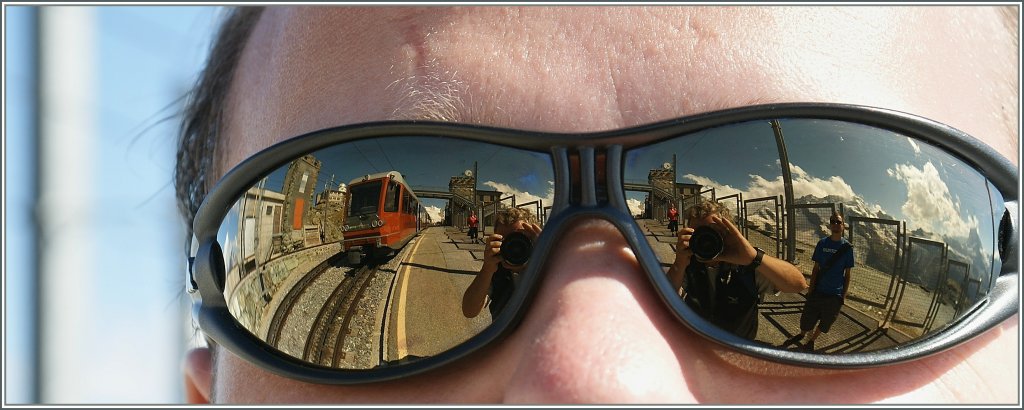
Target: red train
(382,216)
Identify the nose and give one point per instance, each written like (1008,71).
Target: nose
(597,331)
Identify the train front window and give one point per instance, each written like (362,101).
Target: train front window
(365,198)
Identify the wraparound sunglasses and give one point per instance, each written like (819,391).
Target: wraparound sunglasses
(344,255)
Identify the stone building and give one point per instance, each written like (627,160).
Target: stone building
(329,213)
(299,184)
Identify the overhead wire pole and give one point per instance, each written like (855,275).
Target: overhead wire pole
(476,197)
(35,375)
(64,201)
(787,182)
(675,187)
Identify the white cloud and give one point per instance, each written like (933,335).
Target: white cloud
(929,203)
(636,206)
(720,189)
(803,185)
(523,197)
(917,149)
(436,214)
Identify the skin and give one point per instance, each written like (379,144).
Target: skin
(594,68)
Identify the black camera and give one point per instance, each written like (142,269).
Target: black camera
(516,248)
(706,243)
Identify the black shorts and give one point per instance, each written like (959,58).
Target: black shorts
(821,309)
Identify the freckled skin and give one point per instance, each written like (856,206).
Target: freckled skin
(597,332)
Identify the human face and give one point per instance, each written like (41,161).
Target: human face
(505,229)
(835,224)
(595,68)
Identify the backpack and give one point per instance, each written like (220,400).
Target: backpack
(730,301)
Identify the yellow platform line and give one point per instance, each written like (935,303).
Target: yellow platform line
(401,345)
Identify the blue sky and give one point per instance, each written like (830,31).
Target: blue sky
(431,162)
(905,179)
(145,59)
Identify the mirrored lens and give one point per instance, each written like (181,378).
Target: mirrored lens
(921,225)
(372,253)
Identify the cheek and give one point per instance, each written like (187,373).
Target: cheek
(470,380)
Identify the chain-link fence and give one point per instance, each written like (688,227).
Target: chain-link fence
(809,226)
(957,282)
(762,224)
(922,275)
(877,245)
(734,203)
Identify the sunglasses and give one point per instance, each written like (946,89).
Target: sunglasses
(344,255)
(835,222)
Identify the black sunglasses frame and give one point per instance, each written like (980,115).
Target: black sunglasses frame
(583,191)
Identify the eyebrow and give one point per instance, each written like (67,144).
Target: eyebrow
(429,96)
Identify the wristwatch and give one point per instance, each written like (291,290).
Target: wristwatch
(757,258)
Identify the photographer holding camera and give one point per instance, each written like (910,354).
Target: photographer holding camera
(506,253)
(722,276)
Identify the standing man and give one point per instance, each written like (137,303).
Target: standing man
(830,281)
(673,219)
(472,225)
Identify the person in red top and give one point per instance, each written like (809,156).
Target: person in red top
(673,219)
(472,225)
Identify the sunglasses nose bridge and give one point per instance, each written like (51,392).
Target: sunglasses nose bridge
(588,177)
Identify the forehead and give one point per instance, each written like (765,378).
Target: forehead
(584,68)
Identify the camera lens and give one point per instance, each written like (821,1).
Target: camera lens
(516,248)
(706,243)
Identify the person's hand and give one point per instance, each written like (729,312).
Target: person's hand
(683,251)
(737,250)
(531,230)
(492,252)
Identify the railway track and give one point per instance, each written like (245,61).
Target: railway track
(290,299)
(325,345)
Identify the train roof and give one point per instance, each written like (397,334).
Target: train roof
(395,175)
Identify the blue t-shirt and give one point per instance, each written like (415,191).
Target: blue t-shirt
(831,282)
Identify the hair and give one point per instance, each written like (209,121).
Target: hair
(704,208)
(203,115)
(513,215)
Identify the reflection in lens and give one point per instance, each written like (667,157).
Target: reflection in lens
(358,255)
(921,224)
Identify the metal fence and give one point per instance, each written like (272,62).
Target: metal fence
(955,293)
(877,249)
(539,211)
(734,203)
(810,223)
(457,211)
(762,224)
(921,277)
(691,200)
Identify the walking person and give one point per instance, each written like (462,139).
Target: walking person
(472,225)
(673,219)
